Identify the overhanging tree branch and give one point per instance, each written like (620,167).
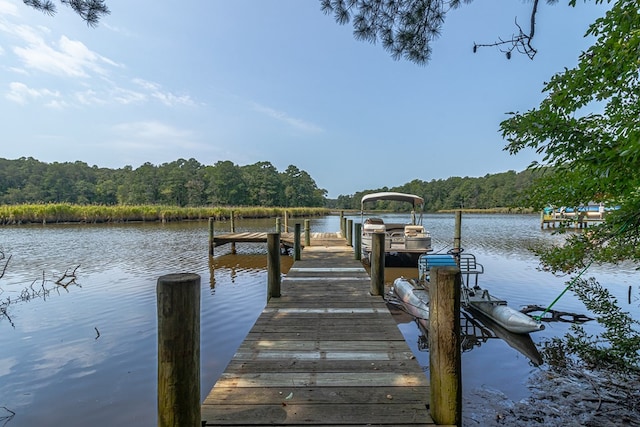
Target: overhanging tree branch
(91,11)
(520,42)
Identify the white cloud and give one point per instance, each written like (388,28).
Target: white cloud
(167,98)
(23,94)
(67,58)
(285,118)
(152,134)
(7,8)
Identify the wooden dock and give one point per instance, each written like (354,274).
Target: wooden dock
(325,353)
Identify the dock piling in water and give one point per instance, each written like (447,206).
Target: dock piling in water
(273,265)
(377,263)
(444,346)
(178,299)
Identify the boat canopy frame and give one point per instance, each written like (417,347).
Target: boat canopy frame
(416,202)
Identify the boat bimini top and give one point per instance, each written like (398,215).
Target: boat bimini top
(391,195)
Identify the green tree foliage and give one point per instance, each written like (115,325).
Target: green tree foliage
(588,129)
(91,11)
(408,28)
(490,191)
(178,183)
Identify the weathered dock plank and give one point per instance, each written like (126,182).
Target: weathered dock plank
(325,353)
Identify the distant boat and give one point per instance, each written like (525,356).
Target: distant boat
(403,243)
(414,295)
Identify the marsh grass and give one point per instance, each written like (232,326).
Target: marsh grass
(52,213)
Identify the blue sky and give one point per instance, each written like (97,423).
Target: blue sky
(273,80)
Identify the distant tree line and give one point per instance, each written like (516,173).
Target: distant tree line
(179,183)
(490,191)
(190,183)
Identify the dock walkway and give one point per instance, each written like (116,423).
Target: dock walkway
(324,353)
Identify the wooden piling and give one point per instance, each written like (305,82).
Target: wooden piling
(307,232)
(178,299)
(357,246)
(273,265)
(350,232)
(286,222)
(444,346)
(457,232)
(296,242)
(377,263)
(278,225)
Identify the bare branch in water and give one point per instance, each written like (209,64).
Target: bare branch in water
(6,418)
(67,278)
(33,291)
(4,267)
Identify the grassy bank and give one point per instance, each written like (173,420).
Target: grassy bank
(491,211)
(70,213)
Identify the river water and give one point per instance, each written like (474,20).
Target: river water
(86,355)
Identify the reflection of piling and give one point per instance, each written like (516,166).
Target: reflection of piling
(233,230)
(444,346)
(273,265)
(178,297)
(377,263)
(211,222)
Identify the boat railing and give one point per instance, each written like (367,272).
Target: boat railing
(469,267)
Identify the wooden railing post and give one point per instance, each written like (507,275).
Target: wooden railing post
(273,265)
(357,246)
(307,232)
(178,298)
(296,241)
(278,225)
(211,222)
(377,263)
(457,233)
(444,346)
(350,232)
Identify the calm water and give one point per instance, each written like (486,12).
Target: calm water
(56,370)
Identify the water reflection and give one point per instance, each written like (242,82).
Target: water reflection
(53,350)
(235,266)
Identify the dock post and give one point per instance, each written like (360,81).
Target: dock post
(178,297)
(286,222)
(444,346)
(342,222)
(457,232)
(307,232)
(278,225)
(542,220)
(350,232)
(233,230)
(357,246)
(273,265)
(377,263)
(211,222)
(296,241)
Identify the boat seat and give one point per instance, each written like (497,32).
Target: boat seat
(373,221)
(468,265)
(426,262)
(413,230)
